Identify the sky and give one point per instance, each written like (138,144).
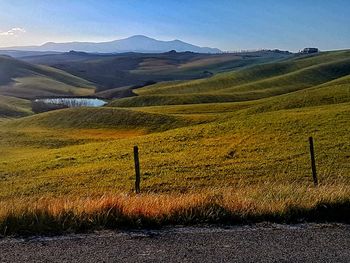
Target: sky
(230,25)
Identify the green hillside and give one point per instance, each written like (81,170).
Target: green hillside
(96,118)
(14,107)
(256,74)
(24,80)
(175,99)
(256,82)
(112,71)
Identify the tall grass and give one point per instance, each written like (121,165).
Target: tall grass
(246,204)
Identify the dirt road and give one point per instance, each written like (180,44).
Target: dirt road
(261,243)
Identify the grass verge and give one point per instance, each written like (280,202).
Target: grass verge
(293,203)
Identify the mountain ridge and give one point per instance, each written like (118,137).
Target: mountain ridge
(136,43)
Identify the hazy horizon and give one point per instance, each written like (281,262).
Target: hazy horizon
(227,25)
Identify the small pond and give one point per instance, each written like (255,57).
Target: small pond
(74,102)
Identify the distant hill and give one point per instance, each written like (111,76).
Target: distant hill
(322,72)
(24,80)
(14,107)
(138,43)
(111,71)
(23,53)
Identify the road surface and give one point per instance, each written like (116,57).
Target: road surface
(259,243)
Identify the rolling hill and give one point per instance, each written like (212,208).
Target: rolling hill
(112,71)
(256,82)
(24,80)
(109,75)
(95,118)
(14,107)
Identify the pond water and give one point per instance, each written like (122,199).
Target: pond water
(74,102)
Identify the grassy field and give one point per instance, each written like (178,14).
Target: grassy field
(246,160)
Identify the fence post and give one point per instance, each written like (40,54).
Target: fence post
(313,162)
(137,170)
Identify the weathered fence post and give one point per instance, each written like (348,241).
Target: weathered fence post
(137,169)
(313,162)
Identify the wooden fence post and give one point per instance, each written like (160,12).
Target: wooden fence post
(313,162)
(137,170)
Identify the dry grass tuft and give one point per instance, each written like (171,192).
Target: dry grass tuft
(275,203)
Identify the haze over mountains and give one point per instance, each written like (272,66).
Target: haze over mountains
(138,43)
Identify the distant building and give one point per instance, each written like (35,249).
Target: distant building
(309,50)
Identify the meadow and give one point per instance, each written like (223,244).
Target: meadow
(228,149)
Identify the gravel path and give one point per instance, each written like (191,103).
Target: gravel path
(261,243)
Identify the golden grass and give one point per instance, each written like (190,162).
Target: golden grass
(255,203)
(210,61)
(102,134)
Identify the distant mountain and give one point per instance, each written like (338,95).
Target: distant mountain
(136,43)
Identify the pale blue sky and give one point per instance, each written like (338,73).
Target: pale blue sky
(226,24)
